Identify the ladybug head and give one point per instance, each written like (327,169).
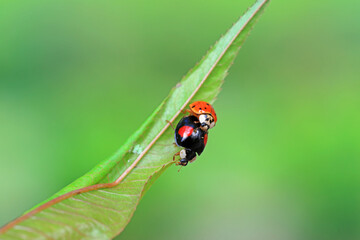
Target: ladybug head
(207,121)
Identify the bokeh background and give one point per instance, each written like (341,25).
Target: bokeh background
(79,77)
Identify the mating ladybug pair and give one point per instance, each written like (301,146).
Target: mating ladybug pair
(192,131)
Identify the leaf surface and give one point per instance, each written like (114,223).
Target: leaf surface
(100,204)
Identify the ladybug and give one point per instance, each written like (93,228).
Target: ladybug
(205,113)
(192,137)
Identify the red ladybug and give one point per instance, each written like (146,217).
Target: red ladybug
(201,107)
(192,137)
(205,113)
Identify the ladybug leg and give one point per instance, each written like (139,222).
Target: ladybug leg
(170,124)
(185,111)
(176,154)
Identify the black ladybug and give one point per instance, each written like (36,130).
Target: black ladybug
(189,135)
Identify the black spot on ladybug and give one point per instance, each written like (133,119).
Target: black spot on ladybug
(205,108)
(199,108)
(193,106)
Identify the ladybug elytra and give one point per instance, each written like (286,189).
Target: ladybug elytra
(205,112)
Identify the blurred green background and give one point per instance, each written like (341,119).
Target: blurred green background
(79,77)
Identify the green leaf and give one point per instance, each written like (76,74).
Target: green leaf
(100,204)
